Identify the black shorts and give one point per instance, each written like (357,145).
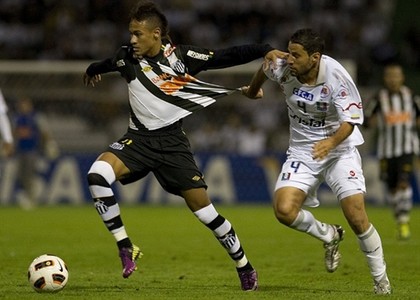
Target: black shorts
(165,152)
(396,169)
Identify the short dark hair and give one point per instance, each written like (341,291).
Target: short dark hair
(310,40)
(147,10)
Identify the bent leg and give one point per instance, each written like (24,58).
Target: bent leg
(199,203)
(101,176)
(288,210)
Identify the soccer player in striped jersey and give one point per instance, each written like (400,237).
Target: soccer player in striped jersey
(324,109)
(162,91)
(396,112)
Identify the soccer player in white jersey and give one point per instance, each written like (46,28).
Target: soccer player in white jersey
(5,129)
(324,109)
(396,111)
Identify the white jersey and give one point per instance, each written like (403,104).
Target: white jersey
(317,111)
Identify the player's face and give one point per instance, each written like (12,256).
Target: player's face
(145,38)
(393,78)
(300,62)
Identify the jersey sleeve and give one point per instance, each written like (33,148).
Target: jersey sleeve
(121,62)
(199,59)
(109,64)
(100,67)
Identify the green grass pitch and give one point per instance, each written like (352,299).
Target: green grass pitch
(182,259)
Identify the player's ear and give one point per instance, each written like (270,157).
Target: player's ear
(157,33)
(315,56)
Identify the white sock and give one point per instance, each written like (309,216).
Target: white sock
(306,222)
(371,245)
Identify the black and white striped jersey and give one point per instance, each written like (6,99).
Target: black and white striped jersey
(397,115)
(162,89)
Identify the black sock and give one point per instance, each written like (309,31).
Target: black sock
(125,243)
(247,267)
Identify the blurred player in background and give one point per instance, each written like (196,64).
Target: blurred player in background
(32,140)
(396,112)
(6,134)
(324,110)
(162,92)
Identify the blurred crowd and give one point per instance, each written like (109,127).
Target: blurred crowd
(86,29)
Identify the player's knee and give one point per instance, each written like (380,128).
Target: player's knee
(285,212)
(96,179)
(101,173)
(359,225)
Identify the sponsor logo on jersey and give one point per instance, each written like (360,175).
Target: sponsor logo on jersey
(161,77)
(303,94)
(309,122)
(146,69)
(116,146)
(196,178)
(352,175)
(393,118)
(200,56)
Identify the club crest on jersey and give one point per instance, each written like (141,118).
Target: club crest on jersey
(343,93)
(325,91)
(120,63)
(303,94)
(178,66)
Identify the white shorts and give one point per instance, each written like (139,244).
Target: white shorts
(342,172)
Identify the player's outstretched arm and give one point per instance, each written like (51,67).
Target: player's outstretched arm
(253,90)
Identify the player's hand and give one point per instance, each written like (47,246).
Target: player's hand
(273,55)
(245,92)
(87,80)
(321,149)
